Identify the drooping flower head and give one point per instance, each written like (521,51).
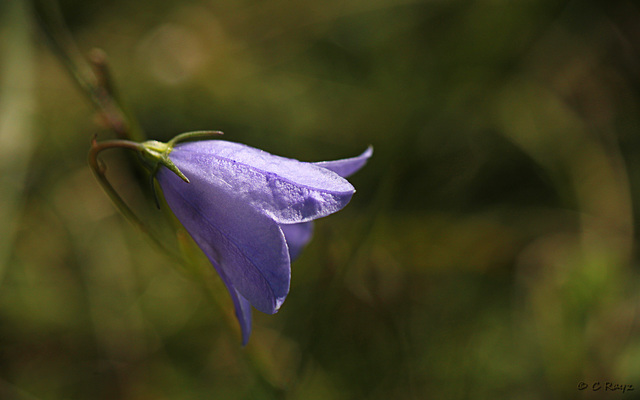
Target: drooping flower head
(250,212)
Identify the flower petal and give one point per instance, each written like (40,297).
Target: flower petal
(248,247)
(297,236)
(347,166)
(241,305)
(287,190)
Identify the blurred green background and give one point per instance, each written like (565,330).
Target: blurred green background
(489,252)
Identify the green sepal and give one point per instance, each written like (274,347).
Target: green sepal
(156,153)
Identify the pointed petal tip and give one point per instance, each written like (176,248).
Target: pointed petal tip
(279,303)
(347,166)
(245,338)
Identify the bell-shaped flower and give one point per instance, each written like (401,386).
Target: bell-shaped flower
(250,212)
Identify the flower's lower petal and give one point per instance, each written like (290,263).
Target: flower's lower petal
(347,166)
(248,246)
(297,236)
(287,190)
(241,305)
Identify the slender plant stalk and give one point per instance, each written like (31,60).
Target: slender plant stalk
(91,75)
(99,170)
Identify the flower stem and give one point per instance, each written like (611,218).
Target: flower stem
(99,169)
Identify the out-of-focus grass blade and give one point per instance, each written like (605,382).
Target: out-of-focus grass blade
(17,103)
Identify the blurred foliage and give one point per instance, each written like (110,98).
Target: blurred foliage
(490,251)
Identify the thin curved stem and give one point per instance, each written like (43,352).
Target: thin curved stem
(99,169)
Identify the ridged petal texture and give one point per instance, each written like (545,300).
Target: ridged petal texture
(250,212)
(287,190)
(298,235)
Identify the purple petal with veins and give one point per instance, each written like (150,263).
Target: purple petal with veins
(250,212)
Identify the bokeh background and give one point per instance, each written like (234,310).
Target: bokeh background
(489,252)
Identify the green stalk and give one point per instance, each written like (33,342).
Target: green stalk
(99,169)
(93,76)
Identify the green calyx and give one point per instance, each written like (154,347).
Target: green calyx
(152,152)
(157,153)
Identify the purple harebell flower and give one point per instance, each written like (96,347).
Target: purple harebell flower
(251,211)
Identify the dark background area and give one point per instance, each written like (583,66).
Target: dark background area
(489,252)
